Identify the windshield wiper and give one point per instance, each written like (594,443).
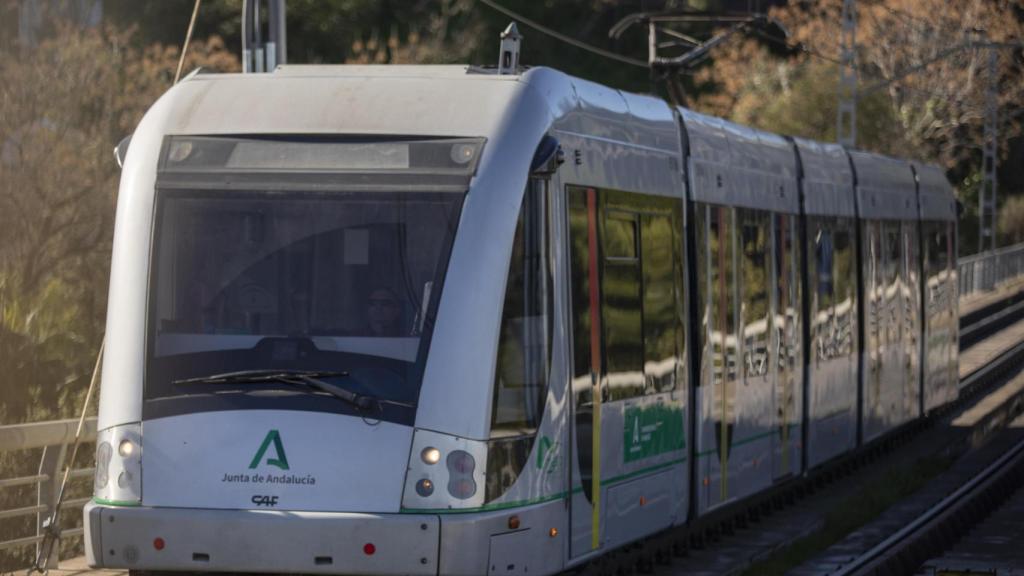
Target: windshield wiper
(262,375)
(307,378)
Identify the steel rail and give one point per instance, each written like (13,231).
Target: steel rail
(969,334)
(894,545)
(999,363)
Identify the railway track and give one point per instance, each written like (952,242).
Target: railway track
(988,320)
(942,524)
(992,545)
(722,534)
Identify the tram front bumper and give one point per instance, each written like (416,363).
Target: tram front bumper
(204,540)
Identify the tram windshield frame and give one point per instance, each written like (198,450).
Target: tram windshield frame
(298,269)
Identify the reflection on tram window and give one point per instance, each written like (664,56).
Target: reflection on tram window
(582,213)
(787,287)
(580,274)
(754,233)
(620,235)
(662,302)
(833,294)
(342,279)
(716,276)
(621,301)
(524,351)
(623,329)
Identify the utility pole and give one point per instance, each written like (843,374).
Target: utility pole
(846,118)
(989,149)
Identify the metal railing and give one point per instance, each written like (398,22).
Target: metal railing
(985,271)
(54,438)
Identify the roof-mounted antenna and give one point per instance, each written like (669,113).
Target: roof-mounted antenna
(263,53)
(508,60)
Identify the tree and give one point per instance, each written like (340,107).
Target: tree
(939,109)
(63,106)
(1011,220)
(795,97)
(414,31)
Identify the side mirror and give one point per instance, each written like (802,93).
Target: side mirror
(547,158)
(121,150)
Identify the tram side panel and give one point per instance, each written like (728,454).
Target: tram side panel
(629,376)
(749,391)
(629,397)
(913,323)
(886,204)
(832,300)
(940,288)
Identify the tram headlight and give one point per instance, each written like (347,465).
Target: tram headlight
(445,472)
(463,153)
(425,487)
(180,150)
(125,448)
(431,455)
(118,479)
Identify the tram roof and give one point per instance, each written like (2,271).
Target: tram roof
(414,100)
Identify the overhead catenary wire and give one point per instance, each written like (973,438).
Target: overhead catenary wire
(564,38)
(881,79)
(188,39)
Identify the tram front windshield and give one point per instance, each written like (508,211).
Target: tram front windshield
(336,281)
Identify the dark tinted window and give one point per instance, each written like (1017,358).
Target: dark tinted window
(619,235)
(755,264)
(662,301)
(524,349)
(295,280)
(623,324)
(717,277)
(584,272)
(621,304)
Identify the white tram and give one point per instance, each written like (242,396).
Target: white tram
(435,320)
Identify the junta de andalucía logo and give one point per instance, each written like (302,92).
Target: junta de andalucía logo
(281,460)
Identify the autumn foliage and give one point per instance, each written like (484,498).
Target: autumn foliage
(921,88)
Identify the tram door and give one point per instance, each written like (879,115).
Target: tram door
(586,373)
(628,392)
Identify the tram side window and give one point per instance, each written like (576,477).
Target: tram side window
(844,287)
(833,285)
(524,348)
(754,232)
(640,275)
(621,306)
(824,252)
(938,249)
(788,319)
(716,278)
(662,302)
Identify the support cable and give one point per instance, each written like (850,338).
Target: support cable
(188,40)
(51,525)
(563,38)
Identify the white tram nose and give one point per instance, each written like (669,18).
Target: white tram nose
(268,490)
(275,460)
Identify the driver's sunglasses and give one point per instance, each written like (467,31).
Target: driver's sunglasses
(383,303)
